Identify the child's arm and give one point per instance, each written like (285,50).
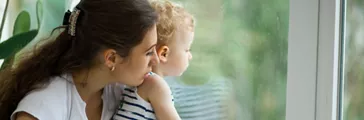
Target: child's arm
(160,97)
(161,100)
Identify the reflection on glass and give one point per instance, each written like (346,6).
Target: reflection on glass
(239,61)
(353,67)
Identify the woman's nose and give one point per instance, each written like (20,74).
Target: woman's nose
(155,59)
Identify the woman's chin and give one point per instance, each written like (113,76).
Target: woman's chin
(139,82)
(134,83)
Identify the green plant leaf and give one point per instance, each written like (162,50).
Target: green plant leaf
(15,43)
(22,23)
(6,62)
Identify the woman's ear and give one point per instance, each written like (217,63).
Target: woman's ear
(110,58)
(163,53)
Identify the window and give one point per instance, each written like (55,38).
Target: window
(239,54)
(2,8)
(353,65)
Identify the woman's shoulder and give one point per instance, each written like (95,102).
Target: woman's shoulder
(55,91)
(48,102)
(112,95)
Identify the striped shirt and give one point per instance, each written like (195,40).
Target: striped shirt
(134,107)
(210,101)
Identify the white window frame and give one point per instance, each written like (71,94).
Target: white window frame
(313,87)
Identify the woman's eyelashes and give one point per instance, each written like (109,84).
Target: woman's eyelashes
(151,52)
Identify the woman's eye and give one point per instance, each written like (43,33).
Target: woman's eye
(150,53)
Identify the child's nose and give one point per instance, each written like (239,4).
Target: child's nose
(190,56)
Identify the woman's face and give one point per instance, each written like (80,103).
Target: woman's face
(132,69)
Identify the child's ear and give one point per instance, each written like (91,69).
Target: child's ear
(163,53)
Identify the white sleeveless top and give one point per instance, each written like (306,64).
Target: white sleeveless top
(61,101)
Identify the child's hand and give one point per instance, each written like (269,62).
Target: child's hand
(153,84)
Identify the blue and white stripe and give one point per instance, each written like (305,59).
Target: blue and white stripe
(133,107)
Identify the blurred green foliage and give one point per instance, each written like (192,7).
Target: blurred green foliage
(245,42)
(353,65)
(48,14)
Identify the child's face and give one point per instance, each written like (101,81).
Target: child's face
(179,55)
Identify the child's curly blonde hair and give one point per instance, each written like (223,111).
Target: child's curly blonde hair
(172,16)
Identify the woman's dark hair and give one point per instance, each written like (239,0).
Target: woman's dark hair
(102,24)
